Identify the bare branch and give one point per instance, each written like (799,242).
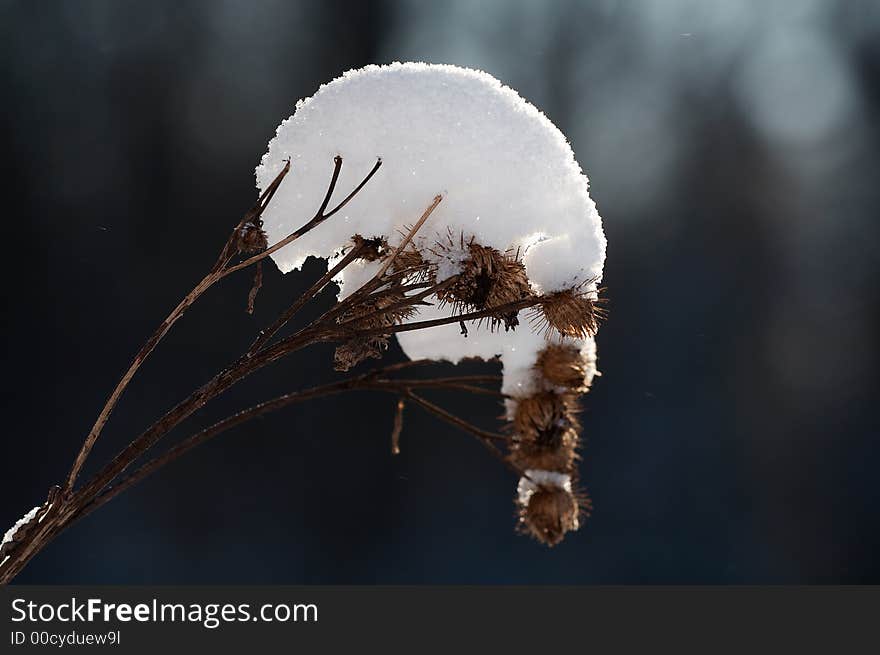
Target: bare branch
(365,382)
(410,235)
(486,438)
(315,221)
(398,427)
(356,190)
(300,302)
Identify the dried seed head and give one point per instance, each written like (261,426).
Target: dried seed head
(357,349)
(371,249)
(544,417)
(549,515)
(557,453)
(488,278)
(411,260)
(351,353)
(251,239)
(545,430)
(548,508)
(565,365)
(572,313)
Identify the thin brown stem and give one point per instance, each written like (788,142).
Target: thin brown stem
(397,430)
(408,301)
(206,283)
(356,190)
(300,302)
(409,236)
(185,408)
(446,320)
(337,166)
(486,438)
(369,289)
(70,503)
(314,222)
(123,383)
(365,382)
(220,270)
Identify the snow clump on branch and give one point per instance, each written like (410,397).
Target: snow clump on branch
(515,227)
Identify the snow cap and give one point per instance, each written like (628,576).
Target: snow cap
(507,175)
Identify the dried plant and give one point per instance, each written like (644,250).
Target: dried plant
(543,435)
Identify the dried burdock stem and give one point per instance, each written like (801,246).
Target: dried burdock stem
(314,333)
(472,316)
(266,335)
(321,215)
(375,311)
(227,378)
(400,304)
(244,238)
(68,506)
(255,288)
(216,273)
(398,427)
(382,279)
(374,287)
(220,270)
(408,238)
(485,437)
(367,382)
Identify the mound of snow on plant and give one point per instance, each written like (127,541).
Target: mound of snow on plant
(507,175)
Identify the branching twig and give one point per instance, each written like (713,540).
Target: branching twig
(318,218)
(365,382)
(220,270)
(410,235)
(267,334)
(69,503)
(486,438)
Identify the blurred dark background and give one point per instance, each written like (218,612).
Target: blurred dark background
(734,153)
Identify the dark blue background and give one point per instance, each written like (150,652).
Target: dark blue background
(734,153)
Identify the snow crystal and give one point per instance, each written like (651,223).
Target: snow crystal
(10,533)
(447,261)
(24,520)
(507,175)
(536,477)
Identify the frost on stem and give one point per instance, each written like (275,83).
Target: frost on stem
(516,229)
(17,532)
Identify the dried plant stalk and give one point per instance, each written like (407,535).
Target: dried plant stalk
(494,288)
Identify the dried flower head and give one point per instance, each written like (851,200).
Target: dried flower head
(372,249)
(546,432)
(572,313)
(251,238)
(417,269)
(545,416)
(564,365)
(548,508)
(365,316)
(557,452)
(488,278)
